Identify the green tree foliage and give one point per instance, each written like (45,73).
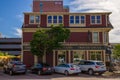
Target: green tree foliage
(116,51)
(44,41)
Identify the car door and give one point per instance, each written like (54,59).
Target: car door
(82,65)
(58,68)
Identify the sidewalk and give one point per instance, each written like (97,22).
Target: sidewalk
(112,74)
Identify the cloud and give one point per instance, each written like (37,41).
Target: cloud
(18,32)
(20,17)
(101,6)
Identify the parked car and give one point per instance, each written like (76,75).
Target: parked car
(92,66)
(67,69)
(41,68)
(14,67)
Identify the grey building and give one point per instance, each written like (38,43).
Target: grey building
(11,46)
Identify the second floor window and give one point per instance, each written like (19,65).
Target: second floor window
(34,19)
(95,19)
(55,19)
(95,37)
(77,19)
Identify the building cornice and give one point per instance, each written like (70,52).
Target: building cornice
(70,13)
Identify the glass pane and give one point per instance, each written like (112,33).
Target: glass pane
(77,17)
(31,19)
(61,58)
(71,21)
(49,19)
(98,17)
(37,19)
(95,37)
(92,17)
(60,19)
(71,17)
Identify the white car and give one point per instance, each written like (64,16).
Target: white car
(92,66)
(67,69)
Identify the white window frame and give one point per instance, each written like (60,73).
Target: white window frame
(80,20)
(53,19)
(34,19)
(96,19)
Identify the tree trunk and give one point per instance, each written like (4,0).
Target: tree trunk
(44,56)
(35,59)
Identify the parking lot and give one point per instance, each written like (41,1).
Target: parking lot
(55,76)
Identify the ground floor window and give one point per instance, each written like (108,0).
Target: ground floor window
(95,55)
(61,57)
(78,55)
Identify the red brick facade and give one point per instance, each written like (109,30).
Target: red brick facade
(82,38)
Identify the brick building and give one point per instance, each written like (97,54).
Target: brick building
(88,39)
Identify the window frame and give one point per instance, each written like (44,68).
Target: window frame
(95,20)
(74,20)
(93,37)
(35,21)
(57,19)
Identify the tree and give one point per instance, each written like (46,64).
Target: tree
(116,51)
(45,41)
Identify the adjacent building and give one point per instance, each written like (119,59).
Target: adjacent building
(11,46)
(88,39)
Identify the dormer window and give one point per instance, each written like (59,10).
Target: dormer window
(95,19)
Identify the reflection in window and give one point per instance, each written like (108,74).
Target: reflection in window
(82,19)
(95,19)
(60,19)
(77,19)
(54,19)
(77,56)
(105,37)
(95,55)
(61,58)
(31,19)
(37,19)
(95,37)
(49,19)
(71,19)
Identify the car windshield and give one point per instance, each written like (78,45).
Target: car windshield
(74,66)
(99,63)
(17,63)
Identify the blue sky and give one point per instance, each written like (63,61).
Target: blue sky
(11,14)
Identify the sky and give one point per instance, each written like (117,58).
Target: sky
(11,14)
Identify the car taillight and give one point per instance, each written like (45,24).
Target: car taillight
(14,65)
(44,69)
(97,66)
(72,69)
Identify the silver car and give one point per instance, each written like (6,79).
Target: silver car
(92,66)
(67,69)
(14,67)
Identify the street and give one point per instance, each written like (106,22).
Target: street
(55,76)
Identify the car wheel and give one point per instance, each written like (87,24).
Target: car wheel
(11,72)
(39,72)
(90,72)
(66,73)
